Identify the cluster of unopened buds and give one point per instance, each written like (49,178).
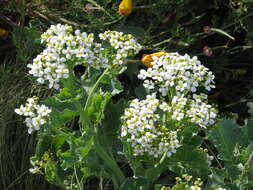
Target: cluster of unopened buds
(66,48)
(189,183)
(36,115)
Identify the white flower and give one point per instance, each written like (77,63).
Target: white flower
(36,115)
(21,110)
(43,110)
(35,170)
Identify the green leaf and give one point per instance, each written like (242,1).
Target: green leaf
(95,112)
(216,178)
(140,92)
(51,173)
(58,140)
(134,184)
(77,152)
(189,160)
(87,84)
(111,124)
(112,84)
(225,136)
(250,106)
(247,131)
(70,157)
(44,144)
(234,145)
(58,118)
(134,162)
(84,150)
(66,99)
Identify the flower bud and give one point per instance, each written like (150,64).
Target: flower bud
(207,29)
(148,58)
(125,7)
(3,32)
(207,51)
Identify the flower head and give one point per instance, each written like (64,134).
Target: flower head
(181,73)
(143,129)
(65,46)
(125,7)
(36,115)
(124,45)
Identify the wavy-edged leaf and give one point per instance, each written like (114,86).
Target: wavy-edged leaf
(58,118)
(134,184)
(66,99)
(112,84)
(189,160)
(225,137)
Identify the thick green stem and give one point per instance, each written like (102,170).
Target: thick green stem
(101,147)
(88,101)
(109,160)
(94,89)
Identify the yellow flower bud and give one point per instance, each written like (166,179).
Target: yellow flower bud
(125,7)
(3,32)
(147,59)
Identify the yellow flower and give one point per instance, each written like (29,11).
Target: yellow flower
(147,59)
(125,7)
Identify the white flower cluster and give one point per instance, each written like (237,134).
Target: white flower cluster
(194,110)
(174,70)
(78,47)
(182,77)
(124,44)
(142,129)
(65,46)
(37,115)
(49,66)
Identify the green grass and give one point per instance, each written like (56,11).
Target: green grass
(16,146)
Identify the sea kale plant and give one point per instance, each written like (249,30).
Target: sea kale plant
(90,127)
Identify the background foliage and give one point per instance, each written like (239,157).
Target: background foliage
(177,25)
